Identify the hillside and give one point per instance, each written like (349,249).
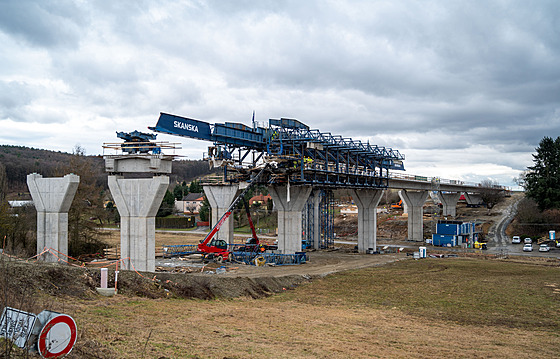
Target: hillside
(21,161)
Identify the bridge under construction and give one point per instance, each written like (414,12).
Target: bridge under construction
(301,168)
(308,165)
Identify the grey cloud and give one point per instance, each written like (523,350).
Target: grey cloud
(42,23)
(432,75)
(14,95)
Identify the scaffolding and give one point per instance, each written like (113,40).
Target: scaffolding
(326,220)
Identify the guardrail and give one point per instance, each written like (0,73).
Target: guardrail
(438,180)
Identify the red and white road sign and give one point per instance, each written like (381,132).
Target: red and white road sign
(58,336)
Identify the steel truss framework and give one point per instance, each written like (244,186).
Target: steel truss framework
(303,156)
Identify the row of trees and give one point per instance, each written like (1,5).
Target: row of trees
(539,212)
(17,226)
(542,180)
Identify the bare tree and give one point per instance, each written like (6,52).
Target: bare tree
(491,193)
(87,206)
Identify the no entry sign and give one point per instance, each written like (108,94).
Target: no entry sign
(58,336)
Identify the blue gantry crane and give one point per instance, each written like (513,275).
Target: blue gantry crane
(302,155)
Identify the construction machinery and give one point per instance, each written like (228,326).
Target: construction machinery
(138,142)
(480,245)
(397,205)
(217,249)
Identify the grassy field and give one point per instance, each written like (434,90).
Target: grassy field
(460,308)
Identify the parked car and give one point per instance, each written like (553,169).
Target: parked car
(527,240)
(528,247)
(544,248)
(516,240)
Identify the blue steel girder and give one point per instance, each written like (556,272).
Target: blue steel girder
(320,156)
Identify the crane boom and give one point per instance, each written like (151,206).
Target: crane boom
(203,246)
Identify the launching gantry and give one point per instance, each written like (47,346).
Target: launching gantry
(302,156)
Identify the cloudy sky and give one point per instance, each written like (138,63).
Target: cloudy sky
(465,89)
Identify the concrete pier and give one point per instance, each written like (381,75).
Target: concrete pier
(415,202)
(367,201)
(289,202)
(473,199)
(138,200)
(52,198)
(220,198)
(449,202)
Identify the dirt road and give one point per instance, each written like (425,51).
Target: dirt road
(321,263)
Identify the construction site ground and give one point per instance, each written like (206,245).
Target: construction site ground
(392,236)
(338,305)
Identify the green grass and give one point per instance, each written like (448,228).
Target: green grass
(478,292)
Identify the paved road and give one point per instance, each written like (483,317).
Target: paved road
(501,243)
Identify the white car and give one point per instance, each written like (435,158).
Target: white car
(516,240)
(544,248)
(527,240)
(528,247)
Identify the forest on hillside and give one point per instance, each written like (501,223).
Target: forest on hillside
(20,161)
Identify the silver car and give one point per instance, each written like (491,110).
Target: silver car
(516,240)
(544,248)
(528,247)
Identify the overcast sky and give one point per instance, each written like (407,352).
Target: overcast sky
(464,89)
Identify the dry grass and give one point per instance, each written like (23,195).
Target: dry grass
(113,238)
(460,308)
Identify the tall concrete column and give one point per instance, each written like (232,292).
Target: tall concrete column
(473,199)
(289,206)
(415,202)
(367,201)
(316,219)
(220,198)
(449,202)
(52,198)
(138,200)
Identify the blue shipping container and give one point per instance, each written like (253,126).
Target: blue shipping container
(444,240)
(446,228)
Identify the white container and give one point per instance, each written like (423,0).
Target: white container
(423,252)
(552,235)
